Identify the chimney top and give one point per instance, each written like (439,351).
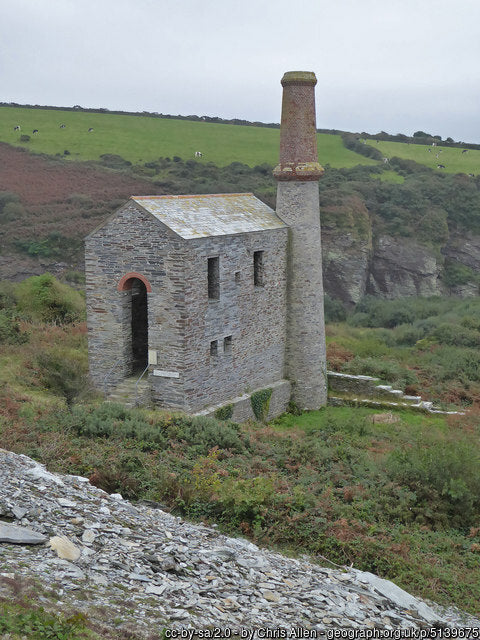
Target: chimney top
(299,77)
(298,132)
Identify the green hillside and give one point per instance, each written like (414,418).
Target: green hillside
(451,157)
(142,138)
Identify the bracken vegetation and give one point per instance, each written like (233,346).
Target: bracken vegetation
(396,494)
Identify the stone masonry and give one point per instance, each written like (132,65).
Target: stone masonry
(298,206)
(214,297)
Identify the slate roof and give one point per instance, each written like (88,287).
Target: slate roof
(211,215)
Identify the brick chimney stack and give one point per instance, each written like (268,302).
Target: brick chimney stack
(297,174)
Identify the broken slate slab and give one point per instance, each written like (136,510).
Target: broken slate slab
(19,535)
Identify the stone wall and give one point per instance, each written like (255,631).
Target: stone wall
(246,321)
(242,406)
(252,316)
(132,241)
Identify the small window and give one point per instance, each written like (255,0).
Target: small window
(214,348)
(258,268)
(237,277)
(214,278)
(227,345)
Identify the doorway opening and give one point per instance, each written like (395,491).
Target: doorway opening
(139,325)
(135,306)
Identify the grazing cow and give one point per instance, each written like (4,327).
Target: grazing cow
(464,150)
(62,126)
(198,154)
(90,130)
(440,166)
(17,128)
(471,175)
(429,150)
(385,160)
(35,131)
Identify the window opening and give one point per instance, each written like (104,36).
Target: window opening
(227,345)
(237,277)
(258,268)
(214,348)
(214,278)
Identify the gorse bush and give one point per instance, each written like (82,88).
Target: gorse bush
(45,299)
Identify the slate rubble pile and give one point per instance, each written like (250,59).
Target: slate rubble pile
(139,567)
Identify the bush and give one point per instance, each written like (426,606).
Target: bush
(24,138)
(7,197)
(12,211)
(260,401)
(388,370)
(224,413)
(445,480)
(10,332)
(202,434)
(111,420)
(334,309)
(45,299)
(64,373)
(7,295)
(114,161)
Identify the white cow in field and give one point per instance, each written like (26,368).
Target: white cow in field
(198,154)
(17,128)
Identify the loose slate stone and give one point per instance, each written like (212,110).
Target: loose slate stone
(14,534)
(65,548)
(150,569)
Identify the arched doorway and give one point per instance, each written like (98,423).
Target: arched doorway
(138,286)
(139,325)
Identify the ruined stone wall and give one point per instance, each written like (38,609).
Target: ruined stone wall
(254,317)
(131,241)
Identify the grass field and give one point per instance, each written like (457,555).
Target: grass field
(141,139)
(451,157)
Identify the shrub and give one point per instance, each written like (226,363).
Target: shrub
(64,373)
(10,332)
(202,434)
(45,299)
(224,413)
(7,197)
(114,161)
(12,211)
(388,370)
(24,138)
(111,420)
(334,310)
(7,295)
(445,480)
(260,401)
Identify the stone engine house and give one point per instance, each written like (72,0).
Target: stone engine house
(213,297)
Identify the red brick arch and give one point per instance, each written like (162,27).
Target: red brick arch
(126,282)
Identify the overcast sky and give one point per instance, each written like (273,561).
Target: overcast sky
(392,65)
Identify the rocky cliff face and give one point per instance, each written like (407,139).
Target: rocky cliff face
(393,267)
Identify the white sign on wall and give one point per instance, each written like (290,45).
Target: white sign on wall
(166,374)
